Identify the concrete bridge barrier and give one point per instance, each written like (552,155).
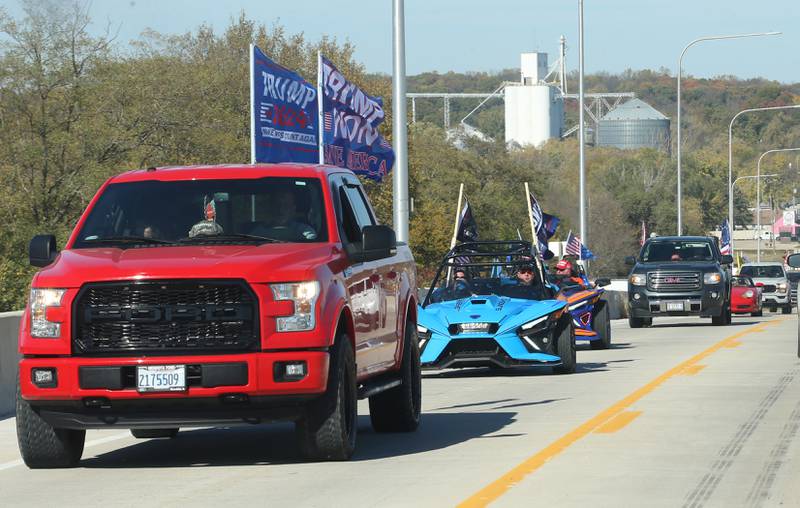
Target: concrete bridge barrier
(9,358)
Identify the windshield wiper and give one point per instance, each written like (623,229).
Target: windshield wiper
(125,239)
(230,236)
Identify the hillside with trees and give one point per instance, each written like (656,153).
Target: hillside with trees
(76,109)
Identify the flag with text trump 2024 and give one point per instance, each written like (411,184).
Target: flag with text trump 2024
(350,120)
(285,113)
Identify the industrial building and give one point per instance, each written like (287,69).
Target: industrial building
(634,124)
(534,109)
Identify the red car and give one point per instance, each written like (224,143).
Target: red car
(745,296)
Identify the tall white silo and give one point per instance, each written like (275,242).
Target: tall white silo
(534,110)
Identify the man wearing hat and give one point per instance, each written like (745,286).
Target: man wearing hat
(567,275)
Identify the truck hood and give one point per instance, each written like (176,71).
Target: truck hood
(255,263)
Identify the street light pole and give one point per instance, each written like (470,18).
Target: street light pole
(581,130)
(680,70)
(730,157)
(758,195)
(399,133)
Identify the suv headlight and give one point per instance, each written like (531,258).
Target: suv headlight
(638,279)
(712,278)
(304,295)
(781,286)
(41,300)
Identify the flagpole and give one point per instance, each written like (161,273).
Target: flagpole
(320,115)
(252,107)
(458,215)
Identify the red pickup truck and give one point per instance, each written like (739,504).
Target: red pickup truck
(196,296)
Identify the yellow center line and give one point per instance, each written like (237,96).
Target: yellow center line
(618,422)
(692,370)
(499,487)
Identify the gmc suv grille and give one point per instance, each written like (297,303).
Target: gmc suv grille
(674,281)
(165,317)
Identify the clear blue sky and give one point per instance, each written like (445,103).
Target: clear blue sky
(472,35)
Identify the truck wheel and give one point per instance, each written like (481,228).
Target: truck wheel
(154,433)
(724,318)
(43,446)
(602,325)
(398,409)
(328,429)
(786,309)
(565,345)
(635,322)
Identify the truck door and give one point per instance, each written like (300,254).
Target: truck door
(362,280)
(388,278)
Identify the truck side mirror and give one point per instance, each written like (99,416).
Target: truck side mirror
(377,242)
(42,250)
(726,259)
(793,260)
(630,260)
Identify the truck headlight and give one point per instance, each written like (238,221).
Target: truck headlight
(638,279)
(712,278)
(41,300)
(304,295)
(781,286)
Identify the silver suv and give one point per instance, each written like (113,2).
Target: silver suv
(775,285)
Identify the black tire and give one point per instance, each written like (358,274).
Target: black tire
(41,445)
(724,318)
(757,314)
(648,321)
(398,409)
(328,429)
(635,322)
(602,325)
(154,433)
(565,348)
(786,309)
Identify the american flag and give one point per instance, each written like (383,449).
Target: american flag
(575,247)
(328,121)
(725,248)
(644,234)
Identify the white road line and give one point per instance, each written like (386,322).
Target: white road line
(95,442)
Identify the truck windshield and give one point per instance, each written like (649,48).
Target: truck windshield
(196,211)
(677,250)
(768,271)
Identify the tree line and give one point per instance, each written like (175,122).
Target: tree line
(77,108)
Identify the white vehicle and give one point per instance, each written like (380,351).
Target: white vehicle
(775,285)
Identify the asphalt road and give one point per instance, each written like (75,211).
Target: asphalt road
(681,414)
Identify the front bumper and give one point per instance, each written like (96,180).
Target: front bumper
(505,350)
(100,392)
(775,298)
(645,303)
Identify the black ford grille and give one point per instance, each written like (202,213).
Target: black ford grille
(769,288)
(674,281)
(165,317)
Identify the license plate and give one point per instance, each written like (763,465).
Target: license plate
(674,306)
(161,378)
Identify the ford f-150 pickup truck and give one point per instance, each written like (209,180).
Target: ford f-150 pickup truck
(196,296)
(679,276)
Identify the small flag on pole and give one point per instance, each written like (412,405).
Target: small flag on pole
(467,227)
(574,247)
(725,248)
(644,234)
(545,226)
